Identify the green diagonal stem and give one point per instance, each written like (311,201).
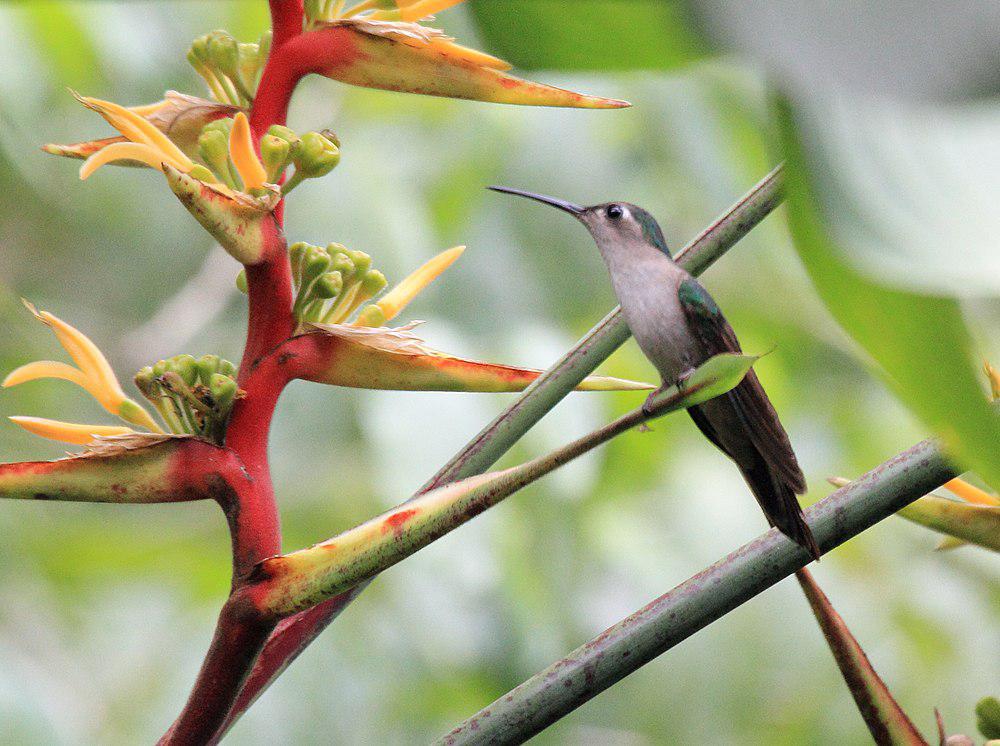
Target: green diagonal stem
(590,669)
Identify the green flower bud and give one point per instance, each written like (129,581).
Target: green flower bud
(201,173)
(226,368)
(199,50)
(263,48)
(223,125)
(145,381)
(315,262)
(373,283)
(287,135)
(328,285)
(186,367)
(195,61)
(316,156)
(223,390)
(224,52)
(275,154)
(371,316)
(159,368)
(342,263)
(250,63)
(208,366)
(241,282)
(295,253)
(988,717)
(213,147)
(362,262)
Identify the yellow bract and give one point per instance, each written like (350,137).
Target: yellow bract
(400,296)
(243,155)
(93,374)
(146,143)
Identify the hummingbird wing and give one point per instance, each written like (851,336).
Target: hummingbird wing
(761,424)
(743,424)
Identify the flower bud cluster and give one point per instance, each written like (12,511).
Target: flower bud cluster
(230,69)
(194,396)
(331,282)
(313,154)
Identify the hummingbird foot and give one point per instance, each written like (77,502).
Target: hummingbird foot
(647,406)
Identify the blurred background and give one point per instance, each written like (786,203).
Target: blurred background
(106,611)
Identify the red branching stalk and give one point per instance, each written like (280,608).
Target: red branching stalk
(311,52)
(254,522)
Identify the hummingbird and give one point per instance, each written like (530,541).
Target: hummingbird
(678,326)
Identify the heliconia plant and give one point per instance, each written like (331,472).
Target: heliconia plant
(198,428)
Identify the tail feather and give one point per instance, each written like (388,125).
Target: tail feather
(778,501)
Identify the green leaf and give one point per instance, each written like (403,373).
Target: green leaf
(976,524)
(885,719)
(919,341)
(715,377)
(588,34)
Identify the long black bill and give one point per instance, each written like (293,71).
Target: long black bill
(555,202)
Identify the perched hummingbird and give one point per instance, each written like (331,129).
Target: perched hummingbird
(678,327)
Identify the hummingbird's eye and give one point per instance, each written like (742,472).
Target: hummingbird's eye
(614,212)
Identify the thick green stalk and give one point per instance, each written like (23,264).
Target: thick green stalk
(611,333)
(590,669)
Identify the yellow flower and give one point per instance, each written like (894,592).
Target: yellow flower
(93,373)
(180,115)
(389,306)
(241,151)
(145,143)
(69,432)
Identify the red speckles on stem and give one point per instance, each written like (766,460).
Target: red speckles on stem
(397,520)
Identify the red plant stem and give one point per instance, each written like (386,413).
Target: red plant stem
(307,53)
(286,20)
(254,522)
(292,636)
(239,636)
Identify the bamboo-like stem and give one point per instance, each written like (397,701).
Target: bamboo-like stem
(294,634)
(590,669)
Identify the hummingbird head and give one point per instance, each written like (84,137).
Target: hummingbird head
(610,223)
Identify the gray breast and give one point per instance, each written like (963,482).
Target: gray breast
(647,291)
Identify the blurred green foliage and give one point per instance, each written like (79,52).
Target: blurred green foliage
(105,611)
